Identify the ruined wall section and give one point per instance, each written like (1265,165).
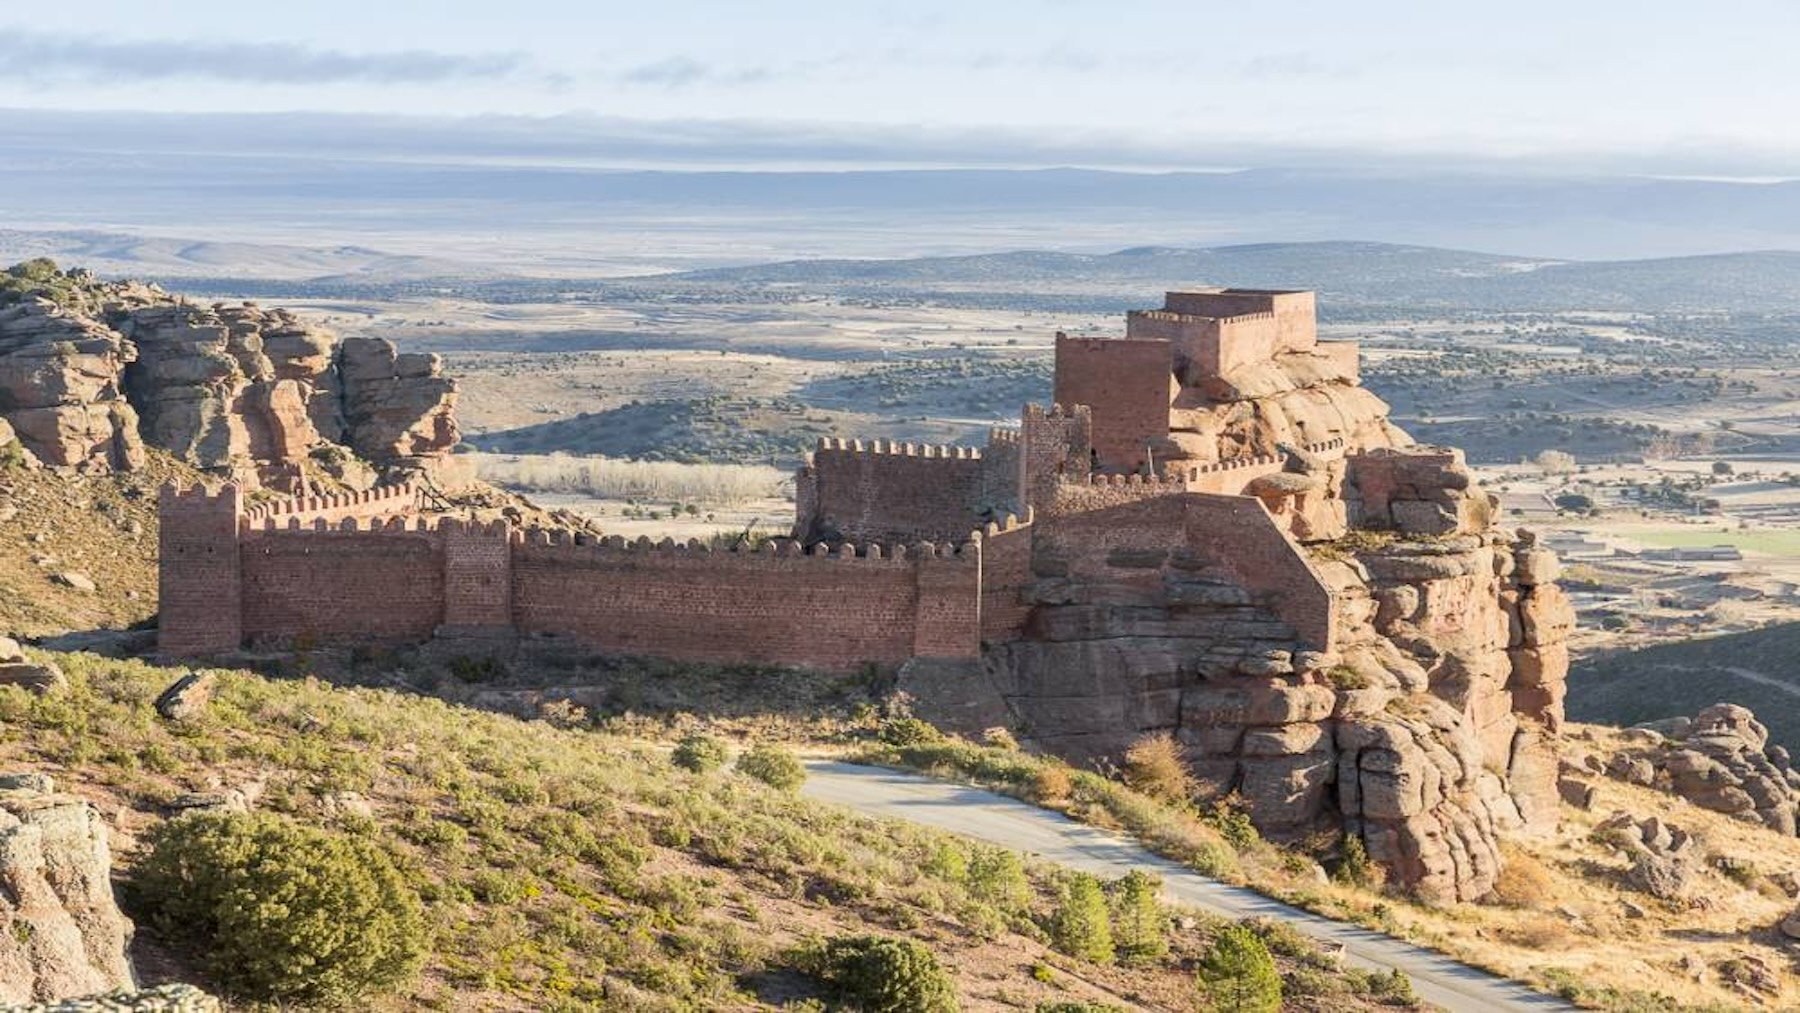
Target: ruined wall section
(883,491)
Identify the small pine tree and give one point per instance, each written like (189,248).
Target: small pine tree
(1140,925)
(1079,926)
(1238,975)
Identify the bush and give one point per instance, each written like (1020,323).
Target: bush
(279,911)
(1052,783)
(701,754)
(773,766)
(1079,926)
(1238,975)
(876,974)
(1355,867)
(997,877)
(1157,766)
(1140,925)
(909,732)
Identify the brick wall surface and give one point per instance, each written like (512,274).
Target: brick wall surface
(1127,385)
(833,612)
(345,585)
(893,492)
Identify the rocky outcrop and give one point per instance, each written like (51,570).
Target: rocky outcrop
(161,999)
(1294,398)
(1428,727)
(1665,860)
(60,389)
(397,407)
(1721,760)
(259,395)
(61,932)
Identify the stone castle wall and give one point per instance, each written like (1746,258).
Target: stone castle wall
(1134,379)
(883,491)
(229,579)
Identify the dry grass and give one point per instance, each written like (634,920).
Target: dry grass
(1523,882)
(1157,766)
(655,481)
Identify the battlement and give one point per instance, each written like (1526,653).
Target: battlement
(1003,435)
(381,499)
(173,498)
(540,539)
(948,451)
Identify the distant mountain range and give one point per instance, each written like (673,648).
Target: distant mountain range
(125,254)
(1342,273)
(1346,275)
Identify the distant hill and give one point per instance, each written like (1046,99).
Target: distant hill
(1342,272)
(1759,669)
(123,254)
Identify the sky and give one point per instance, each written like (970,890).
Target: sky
(1653,86)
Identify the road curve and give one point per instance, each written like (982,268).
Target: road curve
(1010,823)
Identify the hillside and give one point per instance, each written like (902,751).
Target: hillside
(1756,669)
(566,869)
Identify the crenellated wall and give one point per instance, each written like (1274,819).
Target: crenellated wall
(882,490)
(230,579)
(382,501)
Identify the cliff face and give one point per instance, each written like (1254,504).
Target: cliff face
(89,377)
(1428,727)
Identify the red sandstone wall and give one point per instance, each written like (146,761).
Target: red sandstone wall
(1005,570)
(892,492)
(197,570)
(1128,384)
(1228,537)
(379,586)
(822,611)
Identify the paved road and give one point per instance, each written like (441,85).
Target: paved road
(1010,823)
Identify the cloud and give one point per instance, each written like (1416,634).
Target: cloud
(686,72)
(43,58)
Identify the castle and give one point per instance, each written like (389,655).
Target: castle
(1161,550)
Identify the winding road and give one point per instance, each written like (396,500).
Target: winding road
(996,819)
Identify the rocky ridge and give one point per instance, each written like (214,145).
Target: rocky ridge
(90,372)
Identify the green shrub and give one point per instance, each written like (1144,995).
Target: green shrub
(1140,925)
(1355,868)
(876,974)
(279,911)
(997,877)
(773,766)
(1079,925)
(909,732)
(1238,975)
(701,754)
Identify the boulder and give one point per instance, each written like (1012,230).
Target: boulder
(186,698)
(66,936)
